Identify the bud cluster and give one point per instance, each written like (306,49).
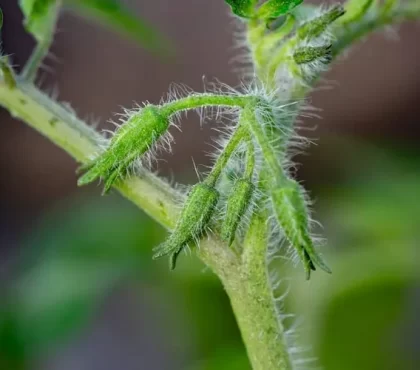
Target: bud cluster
(284,38)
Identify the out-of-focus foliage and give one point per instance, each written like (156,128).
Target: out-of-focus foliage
(360,316)
(40,17)
(115,15)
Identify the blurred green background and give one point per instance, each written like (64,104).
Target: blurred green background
(78,288)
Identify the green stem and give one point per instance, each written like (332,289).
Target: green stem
(225,155)
(250,157)
(42,47)
(347,35)
(270,156)
(256,310)
(204,100)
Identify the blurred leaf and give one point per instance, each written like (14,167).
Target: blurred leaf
(39,17)
(358,315)
(77,255)
(225,358)
(242,8)
(363,328)
(116,15)
(272,9)
(1,19)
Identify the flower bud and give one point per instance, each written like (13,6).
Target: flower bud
(237,204)
(309,54)
(195,215)
(133,139)
(293,216)
(317,26)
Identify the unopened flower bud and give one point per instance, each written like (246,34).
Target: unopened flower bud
(132,140)
(309,54)
(293,216)
(237,204)
(317,26)
(195,216)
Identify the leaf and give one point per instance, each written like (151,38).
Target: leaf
(1,19)
(275,8)
(242,8)
(112,13)
(39,17)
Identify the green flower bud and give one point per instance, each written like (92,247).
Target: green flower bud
(131,141)
(293,216)
(195,216)
(237,204)
(317,26)
(308,54)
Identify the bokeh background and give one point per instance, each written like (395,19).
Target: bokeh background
(78,288)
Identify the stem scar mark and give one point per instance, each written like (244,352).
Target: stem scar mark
(53,121)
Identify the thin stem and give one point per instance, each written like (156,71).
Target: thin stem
(346,35)
(268,152)
(205,100)
(224,157)
(250,157)
(42,47)
(35,60)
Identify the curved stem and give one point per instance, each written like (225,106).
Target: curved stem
(270,157)
(224,157)
(204,100)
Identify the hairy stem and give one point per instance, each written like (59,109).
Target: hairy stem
(204,100)
(224,157)
(256,311)
(257,129)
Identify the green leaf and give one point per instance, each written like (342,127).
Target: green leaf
(113,14)
(275,8)
(39,17)
(1,19)
(243,8)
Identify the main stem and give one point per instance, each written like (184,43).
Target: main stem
(244,277)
